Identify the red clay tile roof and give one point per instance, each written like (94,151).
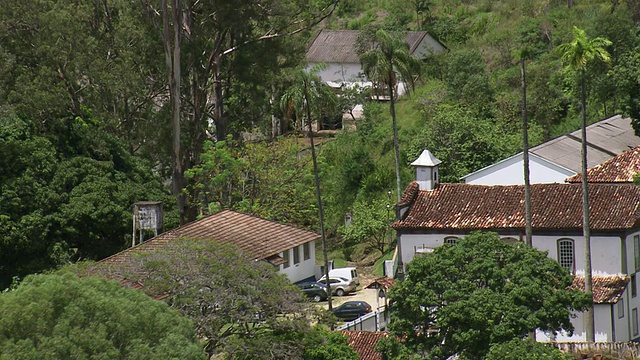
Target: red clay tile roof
(606,289)
(384,282)
(554,206)
(620,169)
(365,343)
(260,238)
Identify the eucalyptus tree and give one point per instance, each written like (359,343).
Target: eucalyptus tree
(309,98)
(200,40)
(576,55)
(386,60)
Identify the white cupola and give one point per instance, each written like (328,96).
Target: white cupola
(427,171)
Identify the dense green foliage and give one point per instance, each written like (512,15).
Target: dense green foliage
(243,308)
(519,349)
(60,316)
(66,195)
(464,298)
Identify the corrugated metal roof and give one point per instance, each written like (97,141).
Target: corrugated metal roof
(554,206)
(620,169)
(259,238)
(605,139)
(607,289)
(339,46)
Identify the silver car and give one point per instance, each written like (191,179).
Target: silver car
(340,286)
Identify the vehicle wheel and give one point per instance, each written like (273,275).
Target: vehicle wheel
(340,292)
(317,298)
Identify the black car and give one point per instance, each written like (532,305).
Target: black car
(352,310)
(314,290)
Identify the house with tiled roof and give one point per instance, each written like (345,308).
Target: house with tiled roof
(620,169)
(287,247)
(560,158)
(431,214)
(337,50)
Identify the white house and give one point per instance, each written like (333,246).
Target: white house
(560,158)
(337,50)
(290,249)
(431,214)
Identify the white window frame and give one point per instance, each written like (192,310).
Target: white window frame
(621,308)
(296,255)
(636,252)
(306,251)
(451,240)
(564,245)
(287,259)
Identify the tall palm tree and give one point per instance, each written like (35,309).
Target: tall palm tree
(576,55)
(309,97)
(384,62)
(525,152)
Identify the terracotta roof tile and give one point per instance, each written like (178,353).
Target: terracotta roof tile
(620,169)
(384,282)
(554,206)
(260,238)
(606,289)
(365,343)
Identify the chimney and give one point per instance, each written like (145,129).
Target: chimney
(427,170)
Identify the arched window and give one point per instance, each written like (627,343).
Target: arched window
(566,255)
(451,240)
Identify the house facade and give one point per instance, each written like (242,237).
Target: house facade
(431,214)
(337,50)
(560,158)
(290,249)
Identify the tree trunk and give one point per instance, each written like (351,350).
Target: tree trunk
(396,147)
(220,121)
(318,199)
(525,158)
(172,52)
(588,285)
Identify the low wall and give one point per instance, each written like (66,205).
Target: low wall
(606,350)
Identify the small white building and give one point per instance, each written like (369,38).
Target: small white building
(560,158)
(337,50)
(289,248)
(431,214)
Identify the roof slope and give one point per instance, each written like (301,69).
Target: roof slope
(553,206)
(605,139)
(339,46)
(606,289)
(620,169)
(255,236)
(365,343)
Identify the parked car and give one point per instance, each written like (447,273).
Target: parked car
(315,291)
(352,310)
(340,286)
(349,273)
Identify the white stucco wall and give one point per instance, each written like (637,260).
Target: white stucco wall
(302,270)
(511,172)
(606,252)
(602,315)
(339,72)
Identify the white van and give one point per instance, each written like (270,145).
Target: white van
(349,273)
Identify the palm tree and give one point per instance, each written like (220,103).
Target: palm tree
(576,55)
(388,58)
(309,97)
(525,153)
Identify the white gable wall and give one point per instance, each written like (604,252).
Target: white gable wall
(429,46)
(339,72)
(511,172)
(305,268)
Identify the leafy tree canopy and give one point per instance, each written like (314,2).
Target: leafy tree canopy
(519,349)
(66,195)
(60,316)
(464,298)
(242,307)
